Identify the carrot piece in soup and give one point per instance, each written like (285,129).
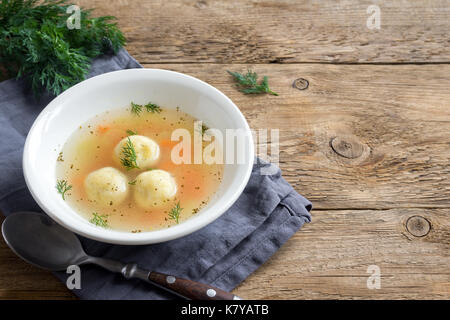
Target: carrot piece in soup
(168,144)
(103,129)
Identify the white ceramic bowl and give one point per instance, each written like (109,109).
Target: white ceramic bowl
(117,89)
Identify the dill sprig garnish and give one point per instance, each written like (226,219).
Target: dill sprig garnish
(132,182)
(204,129)
(36,44)
(153,108)
(131,132)
(129,155)
(99,220)
(201,129)
(248,83)
(174,213)
(62,186)
(150,107)
(136,108)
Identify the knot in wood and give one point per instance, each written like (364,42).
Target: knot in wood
(201,4)
(347,147)
(418,226)
(301,84)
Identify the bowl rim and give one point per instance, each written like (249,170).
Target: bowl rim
(128,238)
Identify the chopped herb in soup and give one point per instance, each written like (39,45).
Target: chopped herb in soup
(116,170)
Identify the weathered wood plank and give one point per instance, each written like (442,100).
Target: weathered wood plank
(360,138)
(20,280)
(399,114)
(285,31)
(327,259)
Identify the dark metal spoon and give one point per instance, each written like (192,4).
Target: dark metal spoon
(40,241)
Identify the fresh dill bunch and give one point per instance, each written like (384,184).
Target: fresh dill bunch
(248,83)
(99,220)
(150,107)
(129,156)
(174,213)
(62,186)
(36,44)
(131,132)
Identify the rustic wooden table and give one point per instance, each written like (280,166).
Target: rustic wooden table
(367,142)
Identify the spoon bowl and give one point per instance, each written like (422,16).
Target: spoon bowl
(40,241)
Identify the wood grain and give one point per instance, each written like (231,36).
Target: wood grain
(282,31)
(20,280)
(329,258)
(364,134)
(399,114)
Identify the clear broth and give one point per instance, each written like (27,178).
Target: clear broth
(91,148)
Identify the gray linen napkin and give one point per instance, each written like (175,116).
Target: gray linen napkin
(223,253)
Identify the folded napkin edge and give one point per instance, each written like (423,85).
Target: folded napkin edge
(297,205)
(260,253)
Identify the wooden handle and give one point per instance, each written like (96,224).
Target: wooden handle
(190,289)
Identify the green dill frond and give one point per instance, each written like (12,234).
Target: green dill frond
(129,157)
(201,129)
(136,108)
(174,213)
(153,108)
(99,220)
(36,44)
(204,128)
(131,132)
(248,83)
(62,186)
(149,107)
(132,182)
